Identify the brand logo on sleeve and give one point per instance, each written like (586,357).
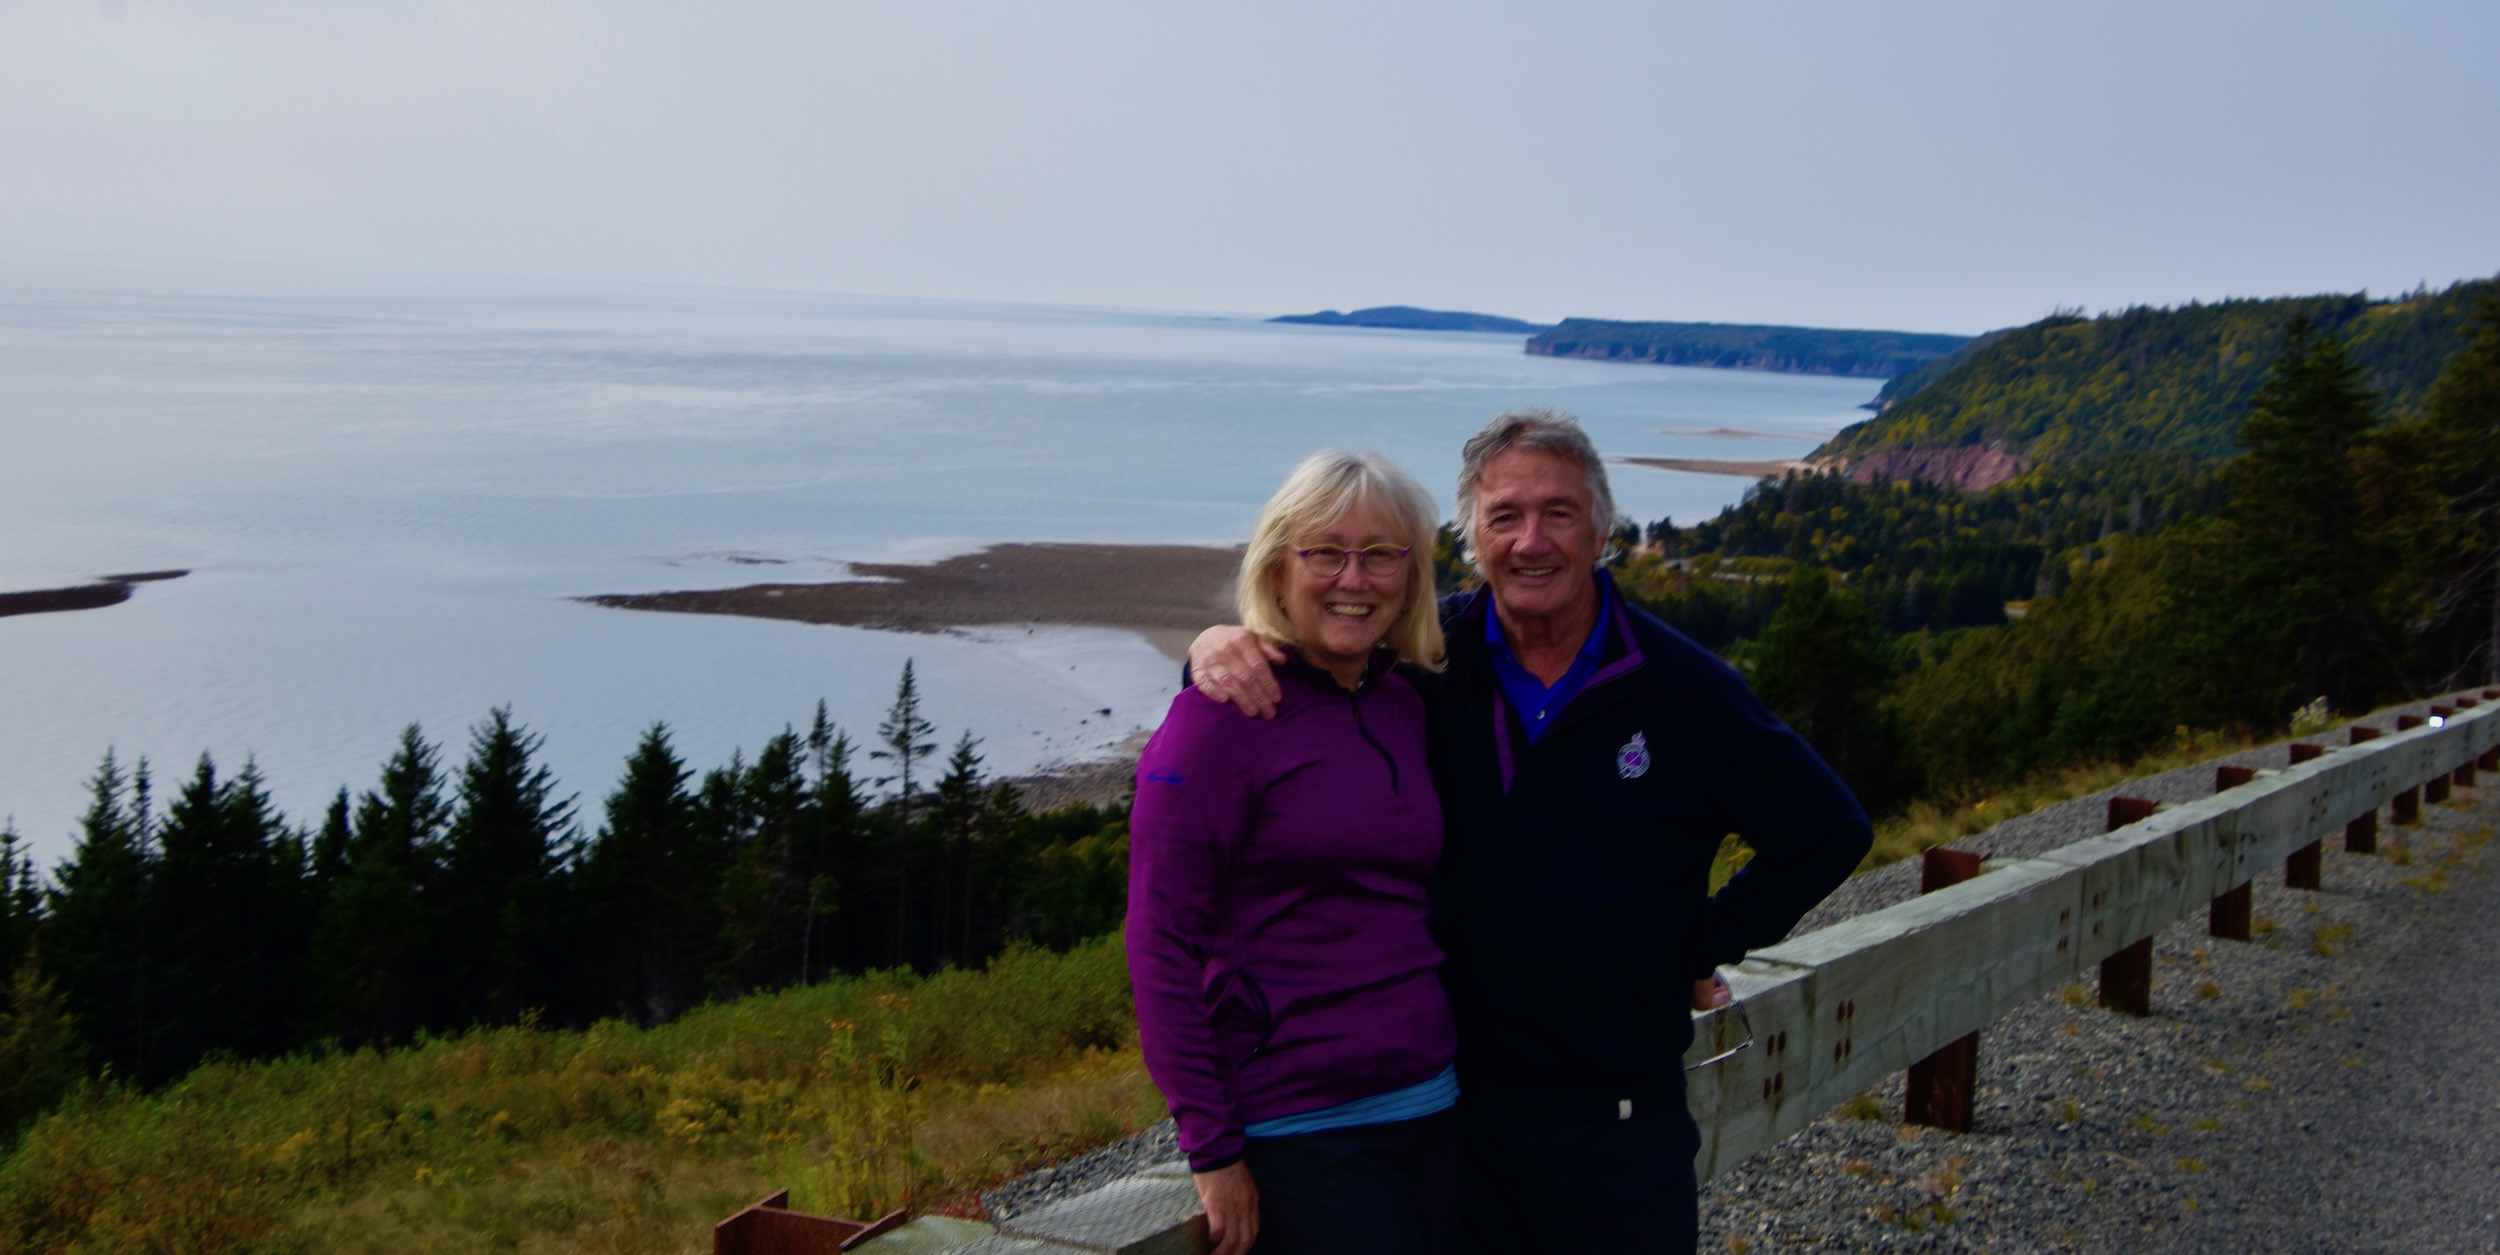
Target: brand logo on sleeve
(1632,761)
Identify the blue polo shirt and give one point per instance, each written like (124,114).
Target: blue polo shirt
(1537,704)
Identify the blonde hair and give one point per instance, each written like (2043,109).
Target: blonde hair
(1318,493)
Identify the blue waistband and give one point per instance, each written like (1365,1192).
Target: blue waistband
(1411,1103)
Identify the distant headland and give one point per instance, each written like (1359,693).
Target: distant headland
(1803,350)
(1409,318)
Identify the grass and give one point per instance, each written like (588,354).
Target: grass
(1927,824)
(858,1094)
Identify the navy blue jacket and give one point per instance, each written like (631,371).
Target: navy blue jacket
(1574,892)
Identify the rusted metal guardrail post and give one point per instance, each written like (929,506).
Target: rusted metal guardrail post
(771,1228)
(2361,835)
(2463,776)
(1940,1085)
(2490,759)
(2405,809)
(2127,976)
(2305,869)
(2228,916)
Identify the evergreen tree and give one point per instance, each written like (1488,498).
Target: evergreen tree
(2460,467)
(373,962)
(764,897)
(1823,664)
(21,894)
(901,735)
(227,924)
(328,859)
(41,1058)
(901,846)
(646,888)
(829,844)
(956,812)
(2296,599)
(502,879)
(96,932)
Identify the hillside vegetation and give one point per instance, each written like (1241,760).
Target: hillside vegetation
(860,1094)
(1805,350)
(1936,643)
(2147,380)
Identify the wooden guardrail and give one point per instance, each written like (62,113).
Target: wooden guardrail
(1836,1011)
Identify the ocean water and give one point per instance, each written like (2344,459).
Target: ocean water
(389,492)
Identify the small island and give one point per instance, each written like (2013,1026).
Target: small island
(1409,318)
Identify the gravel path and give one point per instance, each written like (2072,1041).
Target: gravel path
(2333,1085)
(2318,1089)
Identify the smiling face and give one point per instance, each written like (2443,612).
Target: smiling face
(1536,538)
(1337,621)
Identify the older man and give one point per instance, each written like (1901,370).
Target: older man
(1590,759)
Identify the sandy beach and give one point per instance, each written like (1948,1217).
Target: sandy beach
(1714,466)
(1166,593)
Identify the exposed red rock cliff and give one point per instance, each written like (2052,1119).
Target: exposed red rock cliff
(1970,468)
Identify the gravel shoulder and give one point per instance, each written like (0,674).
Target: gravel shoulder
(2331,1086)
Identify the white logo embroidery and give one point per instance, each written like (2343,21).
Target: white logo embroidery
(1632,761)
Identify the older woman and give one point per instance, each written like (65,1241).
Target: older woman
(1288,990)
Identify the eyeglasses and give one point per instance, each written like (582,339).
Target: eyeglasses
(1328,561)
(1743,1021)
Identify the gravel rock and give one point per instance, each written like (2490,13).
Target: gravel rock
(1084,1173)
(2328,1086)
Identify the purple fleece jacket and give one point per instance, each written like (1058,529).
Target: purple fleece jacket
(1277,911)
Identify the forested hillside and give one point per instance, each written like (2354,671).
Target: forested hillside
(1806,350)
(2069,388)
(1936,643)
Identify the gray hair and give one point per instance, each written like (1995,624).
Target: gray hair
(1548,431)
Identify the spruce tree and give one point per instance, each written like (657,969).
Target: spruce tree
(1823,664)
(2461,469)
(373,962)
(21,894)
(96,931)
(646,887)
(2298,599)
(41,1057)
(954,822)
(829,846)
(901,735)
(227,928)
(764,892)
(900,848)
(502,879)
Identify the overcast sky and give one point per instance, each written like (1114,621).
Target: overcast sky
(1921,164)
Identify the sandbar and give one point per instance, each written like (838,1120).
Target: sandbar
(1716,466)
(1166,593)
(108,590)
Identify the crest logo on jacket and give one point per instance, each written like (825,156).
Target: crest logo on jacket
(1632,761)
